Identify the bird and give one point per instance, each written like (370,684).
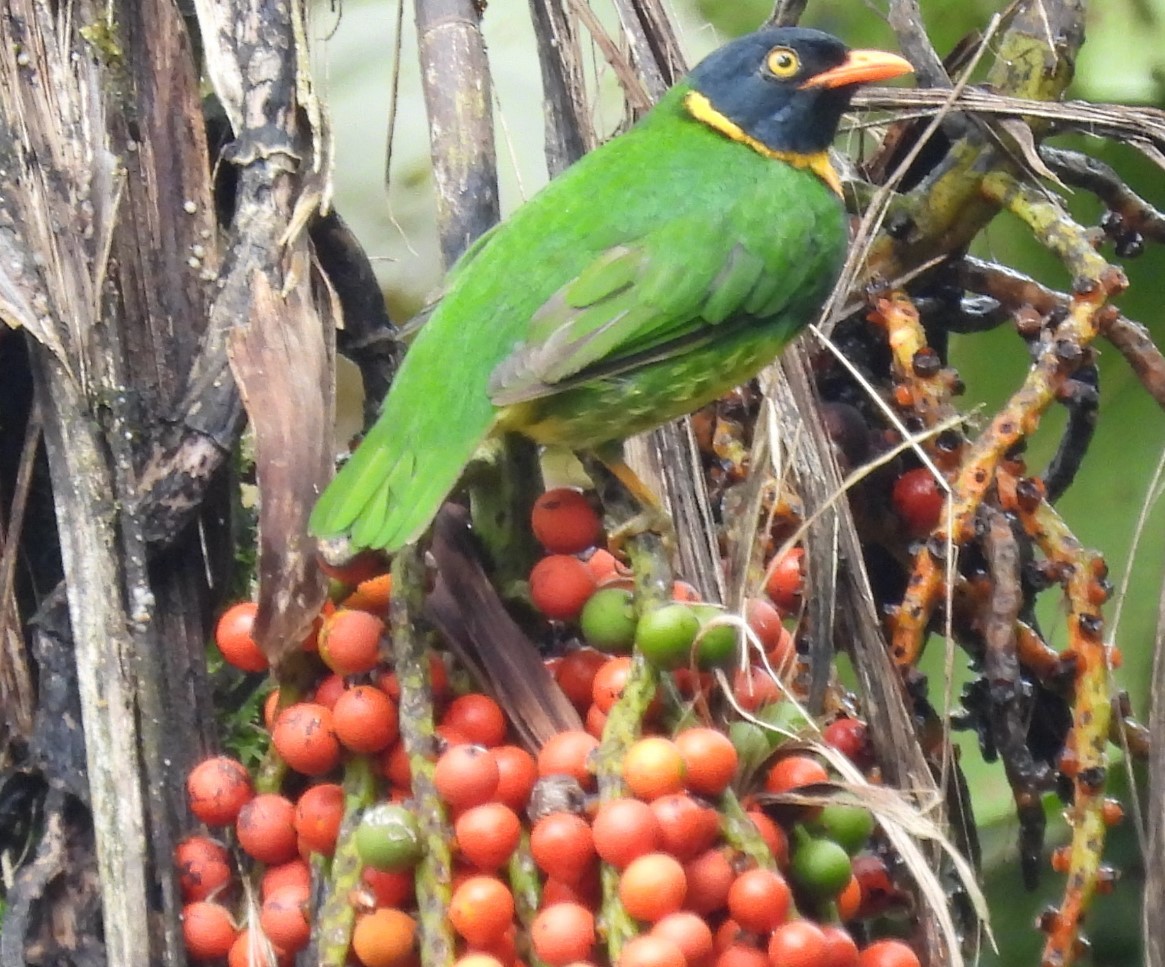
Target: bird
(652,276)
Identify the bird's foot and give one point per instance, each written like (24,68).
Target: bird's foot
(651,520)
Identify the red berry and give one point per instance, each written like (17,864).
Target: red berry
(786,581)
(564,521)
(918,501)
(560,585)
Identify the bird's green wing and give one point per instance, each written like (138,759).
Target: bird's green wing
(408,332)
(653,298)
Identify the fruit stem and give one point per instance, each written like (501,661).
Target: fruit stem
(337,916)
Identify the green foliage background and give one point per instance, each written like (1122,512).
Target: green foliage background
(1122,61)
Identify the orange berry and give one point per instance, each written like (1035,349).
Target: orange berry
(373,595)
(568,753)
(652,886)
(798,943)
(728,933)
(394,765)
(207,930)
(785,581)
(609,681)
(563,846)
(849,900)
(365,719)
(709,876)
(232,634)
(478,717)
(388,683)
(710,760)
(686,828)
(294,872)
(765,621)
(318,814)
(451,736)
(350,641)
(284,919)
(575,675)
(384,937)
(329,690)
(888,953)
(625,829)
(517,773)
(266,829)
(1112,812)
(466,775)
(840,949)
(653,767)
(560,585)
(691,933)
(217,789)
(504,949)
(564,522)
(759,900)
(389,889)
(363,566)
(596,721)
(563,933)
(586,892)
(794,772)
(742,955)
(203,867)
(252,949)
(773,835)
(482,909)
(605,566)
(649,950)
(487,835)
(753,687)
(305,737)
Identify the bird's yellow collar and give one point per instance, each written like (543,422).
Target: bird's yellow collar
(702,110)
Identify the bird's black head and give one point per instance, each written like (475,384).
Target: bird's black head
(785,87)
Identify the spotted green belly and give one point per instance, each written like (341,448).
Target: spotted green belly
(616,407)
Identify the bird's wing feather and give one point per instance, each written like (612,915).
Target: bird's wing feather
(643,301)
(407,332)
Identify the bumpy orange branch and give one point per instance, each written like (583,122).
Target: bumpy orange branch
(1085,759)
(1060,353)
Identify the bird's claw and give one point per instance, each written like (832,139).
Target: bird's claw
(650,520)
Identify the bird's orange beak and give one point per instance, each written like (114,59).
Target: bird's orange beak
(861,67)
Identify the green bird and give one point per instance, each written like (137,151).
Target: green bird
(651,277)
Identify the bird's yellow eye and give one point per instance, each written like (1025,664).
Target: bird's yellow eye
(783,62)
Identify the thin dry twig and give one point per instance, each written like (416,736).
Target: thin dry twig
(1143,127)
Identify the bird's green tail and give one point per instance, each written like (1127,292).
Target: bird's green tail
(378,499)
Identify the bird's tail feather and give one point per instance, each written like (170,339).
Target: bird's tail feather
(378,498)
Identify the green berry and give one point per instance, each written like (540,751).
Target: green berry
(608,620)
(388,838)
(665,636)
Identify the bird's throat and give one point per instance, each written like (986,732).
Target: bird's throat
(699,107)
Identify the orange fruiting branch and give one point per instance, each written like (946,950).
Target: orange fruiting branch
(1085,590)
(924,386)
(1060,353)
